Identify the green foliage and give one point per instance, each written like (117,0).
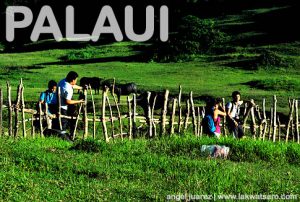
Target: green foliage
(194,36)
(269,59)
(85,53)
(276,84)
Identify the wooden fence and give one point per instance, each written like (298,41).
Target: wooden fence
(115,124)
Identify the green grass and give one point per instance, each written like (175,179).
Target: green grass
(139,170)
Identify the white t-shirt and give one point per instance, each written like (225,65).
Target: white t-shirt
(234,109)
(66,91)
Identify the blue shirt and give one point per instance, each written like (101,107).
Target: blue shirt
(48,97)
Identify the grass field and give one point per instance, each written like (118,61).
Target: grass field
(143,170)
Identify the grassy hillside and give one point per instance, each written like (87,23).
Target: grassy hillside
(47,169)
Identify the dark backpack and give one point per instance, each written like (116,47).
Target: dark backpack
(208,124)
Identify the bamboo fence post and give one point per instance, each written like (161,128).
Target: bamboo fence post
(76,122)
(32,126)
(94,113)
(47,116)
(10,110)
(297,121)
(103,115)
(130,118)
(245,109)
(274,117)
(293,129)
(290,120)
(193,113)
(264,118)
(17,107)
(224,119)
(134,113)
(119,114)
(187,114)
(1,107)
(172,117)
(59,108)
(253,125)
(111,118)
(247,112)
(179,109)
(279,128)
(199,121)
(85,115)
(23,108)
(271,124)
(149,122)
(203,115)
(260,122)
(152,116)
(164,114)
(40,119)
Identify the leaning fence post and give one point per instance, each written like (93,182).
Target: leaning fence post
(119,114)
(152,116)
(111,118)
(297,121)
(85,115)
(76,122)
(149,122)
(40,119)
(47,116)
(172,118)
(290,120)
(199,122)
(94,113)
(279,128)
(103,115)
(253,125)
(193,113)
(59,108)
(23,112)
(134,114)
(271,124)
(274,117)
(17,107)
(10,110)
(1,107)
(130,118)
(164,113)
(179,109)
(32,126)
(187,114)
(224,119)
(264,118)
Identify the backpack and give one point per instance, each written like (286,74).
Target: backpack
(208,124)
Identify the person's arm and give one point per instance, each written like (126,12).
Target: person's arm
(228,113)
(42,98)
(72,102)
(222,113)
(76,87)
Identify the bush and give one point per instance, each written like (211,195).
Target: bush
(85,53)
(88,145)
(194,36)
(269,59)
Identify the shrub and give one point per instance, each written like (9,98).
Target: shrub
(88,145)
(269,59)
(85,53)
(193,36)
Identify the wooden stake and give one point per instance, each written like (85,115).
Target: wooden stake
(40,119)
(264,119)
(103,115)
(297,121)
(275,118)
(130,118)
(59,108)
(290,120)
(203,115)
(253,125)
(23,108)
(17,107)
(224,119)
(172,118)
(134,113)
(77,119)
(271,123)
(85,116)
(187,114)
(164,113)
(149,122)
(32,126)
(193,113)
(199,122)
(94,113)
(179,109)
(10,110)
(111,118)
(279,128)
(119,115)
(152,116)
(47,116)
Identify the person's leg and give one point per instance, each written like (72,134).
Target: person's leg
(64,122)
(240,131)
